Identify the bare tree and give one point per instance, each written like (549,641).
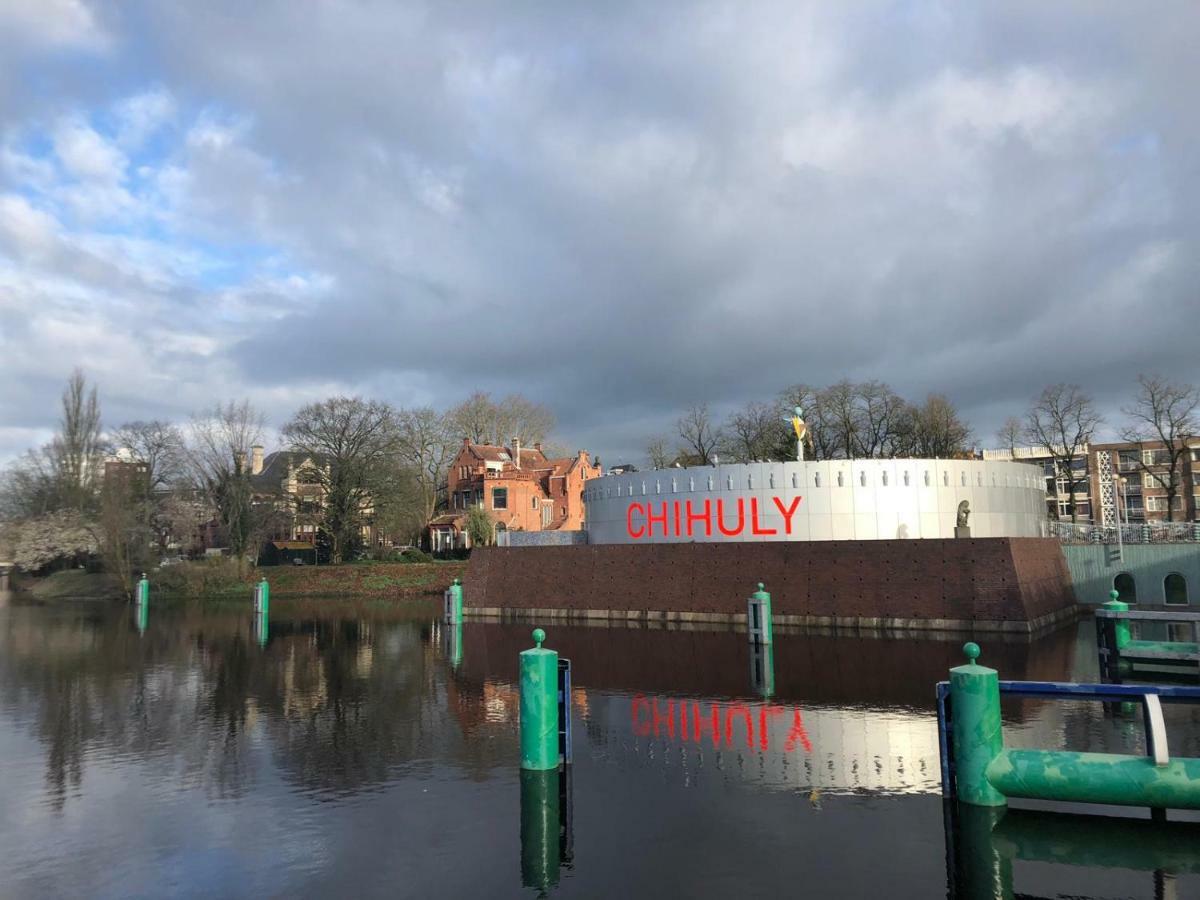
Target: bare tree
(485,421)
(156,443)
(28,487)
(1010,433)
(77,450)
(840,419)
(217,447)
(353,443)
(881,415)
(755,433)
(427,445)
(1062,422)
(935,430)
(659,453)
(1163,412)
(700,437)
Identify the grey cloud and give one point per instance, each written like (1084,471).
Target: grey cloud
(621,211)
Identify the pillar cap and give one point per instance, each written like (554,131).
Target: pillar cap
(971,651)
(538,637)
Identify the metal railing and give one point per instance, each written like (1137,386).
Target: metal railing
(1133,533)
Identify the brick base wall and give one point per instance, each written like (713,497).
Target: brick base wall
(988,583)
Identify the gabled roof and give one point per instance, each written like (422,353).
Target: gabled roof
(275,468)
(531,457)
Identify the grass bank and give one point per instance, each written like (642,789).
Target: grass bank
(71,584)
(374,580)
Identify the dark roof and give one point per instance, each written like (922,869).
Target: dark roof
(275,468)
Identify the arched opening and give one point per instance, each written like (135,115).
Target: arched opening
(1125,588)
(1175,590)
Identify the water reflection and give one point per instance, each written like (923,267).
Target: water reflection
(380,748)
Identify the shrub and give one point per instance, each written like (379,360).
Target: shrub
(414,555)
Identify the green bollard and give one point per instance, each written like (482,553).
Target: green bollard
(456,601)
(141,616)
(540,829)
(262,627)
(975,712)
(1122,625)
(262,597)
(539,706)
(142,592)
(758,616)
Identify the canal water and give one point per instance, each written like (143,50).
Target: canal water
(371,751)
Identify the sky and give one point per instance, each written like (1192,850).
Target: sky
(616,209)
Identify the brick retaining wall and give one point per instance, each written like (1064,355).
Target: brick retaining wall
(1011,584)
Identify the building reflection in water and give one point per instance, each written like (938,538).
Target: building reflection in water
(819,713)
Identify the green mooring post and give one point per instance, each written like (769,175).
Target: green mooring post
(142,594)
(539,706)
(262,597)
(758,616)
(454,602)
(1116,604)
(975,712)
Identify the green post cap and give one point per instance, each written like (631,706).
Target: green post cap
(456,581)
(760,585)
(971,649)
(538,636)
(1114,595)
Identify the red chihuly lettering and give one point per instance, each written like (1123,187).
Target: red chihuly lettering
(765,714)
(640,703)
(705,517)
(739,709)
(755,528)
(787,513)
(686,518)
(638,508)
(741,518)
(656,715)
(651,518)
(714,725)
(799,733)
(669,718)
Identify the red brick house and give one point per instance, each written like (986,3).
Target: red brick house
(521,489)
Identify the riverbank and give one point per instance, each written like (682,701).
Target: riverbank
(219,579)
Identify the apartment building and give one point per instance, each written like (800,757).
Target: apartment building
(1122,480)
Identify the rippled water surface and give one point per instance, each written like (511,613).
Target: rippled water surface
(370,751)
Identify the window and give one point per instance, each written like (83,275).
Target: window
(1149,481)
(499,498)
(1156,457)
(1125,588)
(1175,590)
(533,502)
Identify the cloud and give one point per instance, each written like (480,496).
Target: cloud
(617,212)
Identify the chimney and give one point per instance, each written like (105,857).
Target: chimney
(256,459)
(516,442)
(537,445)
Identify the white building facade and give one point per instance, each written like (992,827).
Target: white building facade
(830,500)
